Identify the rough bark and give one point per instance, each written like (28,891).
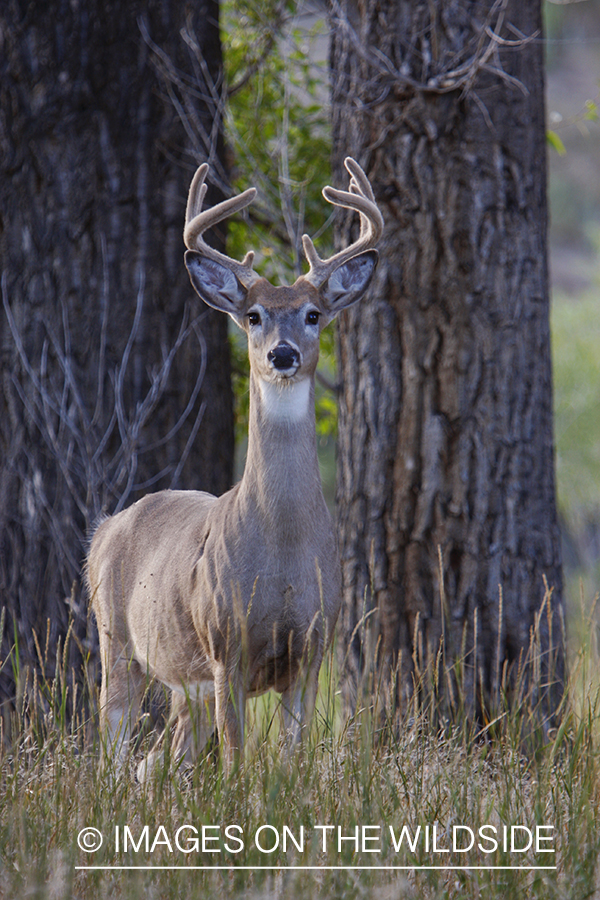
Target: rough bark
(446,454)
(94,168)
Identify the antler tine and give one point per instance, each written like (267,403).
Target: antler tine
(198,221)
(359,197)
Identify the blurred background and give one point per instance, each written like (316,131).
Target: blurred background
(573,86)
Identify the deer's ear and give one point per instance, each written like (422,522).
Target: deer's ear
(348,282)
(215,284)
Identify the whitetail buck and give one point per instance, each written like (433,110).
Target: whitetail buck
(221,598)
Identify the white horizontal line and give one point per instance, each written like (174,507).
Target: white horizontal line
(329,868)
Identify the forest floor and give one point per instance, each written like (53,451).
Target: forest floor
(427,807)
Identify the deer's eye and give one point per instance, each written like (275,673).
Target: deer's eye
(312,317)
(253,318)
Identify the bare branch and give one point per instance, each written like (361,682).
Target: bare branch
(80,439)
(461,76)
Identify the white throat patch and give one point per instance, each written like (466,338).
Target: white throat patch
(285,402)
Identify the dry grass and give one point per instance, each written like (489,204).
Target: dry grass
(354,774)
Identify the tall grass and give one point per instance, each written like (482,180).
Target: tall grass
(356,776)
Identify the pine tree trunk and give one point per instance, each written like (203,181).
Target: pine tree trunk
(446,457)
(95,166)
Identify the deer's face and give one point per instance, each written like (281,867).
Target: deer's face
(283,325)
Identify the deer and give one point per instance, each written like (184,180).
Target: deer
(223,598)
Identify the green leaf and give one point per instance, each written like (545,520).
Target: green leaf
(555,142)
(591,110)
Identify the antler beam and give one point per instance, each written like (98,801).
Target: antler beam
(198,221)
(361,198)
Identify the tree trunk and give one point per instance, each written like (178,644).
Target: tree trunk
(95,166)
(446,457)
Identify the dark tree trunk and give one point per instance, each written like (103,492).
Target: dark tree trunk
(446,454)
(95,164)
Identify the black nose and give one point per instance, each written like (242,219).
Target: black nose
(283,356)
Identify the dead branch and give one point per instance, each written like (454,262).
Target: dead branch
(458,75)
(97,456)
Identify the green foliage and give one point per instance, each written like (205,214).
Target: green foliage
(591,110)
(278,129)
(555,142)
(576,339)
(278,132)
(580,119)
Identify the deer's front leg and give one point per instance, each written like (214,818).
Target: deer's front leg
(298,702)
(230,708)
(195,725)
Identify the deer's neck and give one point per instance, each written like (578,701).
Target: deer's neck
(281,479)
(286,405)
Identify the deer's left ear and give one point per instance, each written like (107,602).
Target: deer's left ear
(348,282)
(215,283)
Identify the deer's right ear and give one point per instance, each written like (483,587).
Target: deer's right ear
(215,284)
(349,281)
